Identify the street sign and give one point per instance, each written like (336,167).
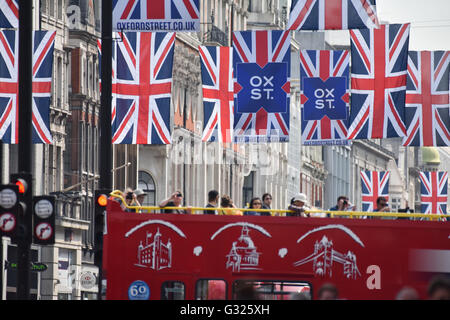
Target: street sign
(7,222)
(43,208)
(87,280)
(34,267)
(44,215)
(43,231)
(8,198)
(9,211)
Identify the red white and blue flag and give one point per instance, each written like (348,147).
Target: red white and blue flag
(378,82)
(434,187)
(218,95)
(43,46)
(143,86)
(427,99)
(374,184)
(156,15)
(261,66)
(332,14)
(9,14)
(324,80)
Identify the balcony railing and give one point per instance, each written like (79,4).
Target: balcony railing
(215,35)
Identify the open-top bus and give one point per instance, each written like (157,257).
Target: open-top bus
(197,257)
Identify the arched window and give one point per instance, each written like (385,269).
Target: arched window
(147,184)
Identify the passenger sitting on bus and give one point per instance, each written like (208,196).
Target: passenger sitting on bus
(439,288)
(343,204)
(213,201)
(299,205)
(328,292)
(407,293)
(267,201)
(130,200)
(382,206)
(175,200)
(140,198)
(256,203)
(226,202)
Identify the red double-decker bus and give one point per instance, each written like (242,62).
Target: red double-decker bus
(197,257)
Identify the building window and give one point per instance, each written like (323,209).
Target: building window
(64,296)
(44,6)
(51,9)
(59,83)
(68,235)
(395,204)
(248,188)
(60,9)
(88,295)
(147,184)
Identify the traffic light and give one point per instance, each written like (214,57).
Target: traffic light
(44,220)
(101,200)
(25,217)
(9,211)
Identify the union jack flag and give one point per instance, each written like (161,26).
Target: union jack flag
(324,65)
(218,97)
(434,192)
(374,184)
(143,88)
(9,14)
(379,64)
(260,51)
(427,99)
(43,46)
(146,15)
(332,14)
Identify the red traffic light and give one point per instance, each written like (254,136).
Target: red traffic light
(102,200)
(22,184)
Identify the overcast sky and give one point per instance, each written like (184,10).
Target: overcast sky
(430,22)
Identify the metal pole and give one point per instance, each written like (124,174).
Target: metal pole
(105,109)
(1,269)
(24,135)
(105,120)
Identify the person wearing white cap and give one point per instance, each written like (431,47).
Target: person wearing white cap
(140,195)
(298,205)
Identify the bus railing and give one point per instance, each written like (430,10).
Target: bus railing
(273,212)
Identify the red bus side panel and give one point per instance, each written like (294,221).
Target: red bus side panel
(365,259)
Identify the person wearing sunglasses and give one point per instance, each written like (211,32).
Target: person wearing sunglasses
(267,201)
(267,204)
(175,200)
(256,204)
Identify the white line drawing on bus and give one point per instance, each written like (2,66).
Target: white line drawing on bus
(243,254)
(325,255)
(155,255)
